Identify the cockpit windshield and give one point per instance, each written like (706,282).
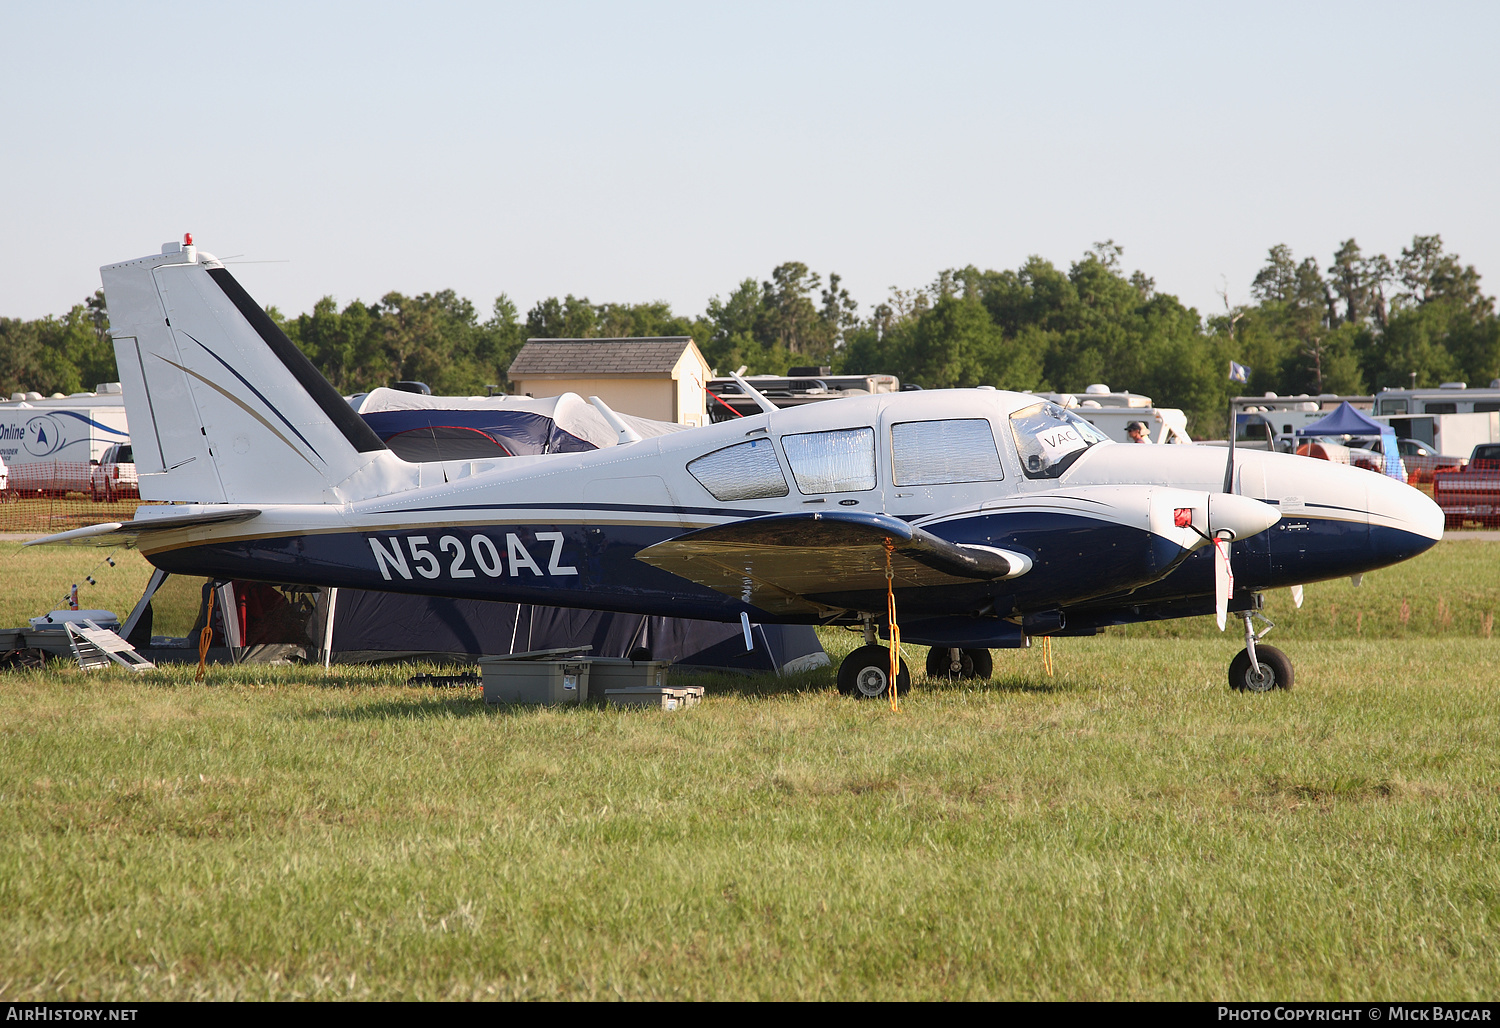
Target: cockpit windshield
(1049,439)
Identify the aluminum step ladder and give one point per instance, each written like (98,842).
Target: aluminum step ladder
(97,647)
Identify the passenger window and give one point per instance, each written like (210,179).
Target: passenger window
(944,452)
(1440,408)
(745,471)
(842,461)
(1392,406)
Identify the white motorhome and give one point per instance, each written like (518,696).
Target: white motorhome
(1114,412)
(1448,398)
(1450,434)
(49,442)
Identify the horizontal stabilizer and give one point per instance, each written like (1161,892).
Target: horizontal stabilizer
(125,533)
(777,563)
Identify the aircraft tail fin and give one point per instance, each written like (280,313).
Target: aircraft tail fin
(222,406)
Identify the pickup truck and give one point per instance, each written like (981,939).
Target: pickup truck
(1471,493)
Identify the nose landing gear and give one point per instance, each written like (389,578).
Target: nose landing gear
(1259,668)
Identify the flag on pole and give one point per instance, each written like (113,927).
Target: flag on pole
(1238,372)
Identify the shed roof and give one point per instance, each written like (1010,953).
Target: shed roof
(656,355)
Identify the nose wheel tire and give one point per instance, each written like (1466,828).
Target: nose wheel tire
(866,674)
(1275,671)
(972,664)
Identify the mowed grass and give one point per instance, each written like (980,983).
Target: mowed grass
(1124,828)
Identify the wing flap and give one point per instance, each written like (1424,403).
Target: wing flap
(776,563)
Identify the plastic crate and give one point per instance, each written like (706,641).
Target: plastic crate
(666,698)
(549,682)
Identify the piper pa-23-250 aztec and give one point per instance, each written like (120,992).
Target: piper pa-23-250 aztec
(991,516)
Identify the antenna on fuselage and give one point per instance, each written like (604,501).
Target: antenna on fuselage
(749,390)
(627,434)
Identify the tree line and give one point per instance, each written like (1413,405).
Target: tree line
(1355,325)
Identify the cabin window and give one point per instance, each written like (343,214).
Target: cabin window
(944,452)
(1391,407)
(1440,408)
(744,471)
(1049,439)
(1485,406)
(842,461)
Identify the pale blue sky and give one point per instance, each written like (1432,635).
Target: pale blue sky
(641,151)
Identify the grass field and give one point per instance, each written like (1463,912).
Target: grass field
(1125,828)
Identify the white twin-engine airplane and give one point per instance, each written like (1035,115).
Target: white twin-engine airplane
(992,516)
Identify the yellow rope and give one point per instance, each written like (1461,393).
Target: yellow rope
(1047,653)
(890,614)
(205,638)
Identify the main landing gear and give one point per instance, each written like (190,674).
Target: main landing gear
(946,662)
(866,673)
(1259,668)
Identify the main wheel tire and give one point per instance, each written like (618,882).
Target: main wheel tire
(1275,671)
(984,663)
(972,664)
(866,673)
(940,664)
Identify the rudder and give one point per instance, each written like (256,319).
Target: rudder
(223,408)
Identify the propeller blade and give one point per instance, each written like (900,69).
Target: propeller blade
(1297,596)
(1229,463)
(1223,581)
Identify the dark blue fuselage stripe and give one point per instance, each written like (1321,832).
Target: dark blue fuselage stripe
(271,406)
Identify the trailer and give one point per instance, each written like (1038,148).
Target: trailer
(50,444)
(1114,412)
(1449,434)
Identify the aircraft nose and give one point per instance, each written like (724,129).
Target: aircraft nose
(1240,516)
(1394,505)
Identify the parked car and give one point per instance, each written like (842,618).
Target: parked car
(1335,449)
(1471,493)
(1420,459)
(114,477)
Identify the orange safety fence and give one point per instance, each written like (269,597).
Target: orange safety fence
(55,496)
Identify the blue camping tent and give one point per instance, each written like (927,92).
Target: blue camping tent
(1345,420)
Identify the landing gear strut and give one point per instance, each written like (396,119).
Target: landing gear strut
(1259,668)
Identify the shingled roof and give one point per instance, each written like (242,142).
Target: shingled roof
(656,355)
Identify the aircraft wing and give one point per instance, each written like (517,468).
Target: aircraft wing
(126,533)
(779,561)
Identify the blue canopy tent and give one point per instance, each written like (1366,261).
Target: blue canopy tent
(1345,420)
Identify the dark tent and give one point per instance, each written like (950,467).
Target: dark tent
(383,626)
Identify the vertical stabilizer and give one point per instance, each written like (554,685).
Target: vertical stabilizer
(223,408)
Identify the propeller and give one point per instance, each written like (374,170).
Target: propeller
(1223,572)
